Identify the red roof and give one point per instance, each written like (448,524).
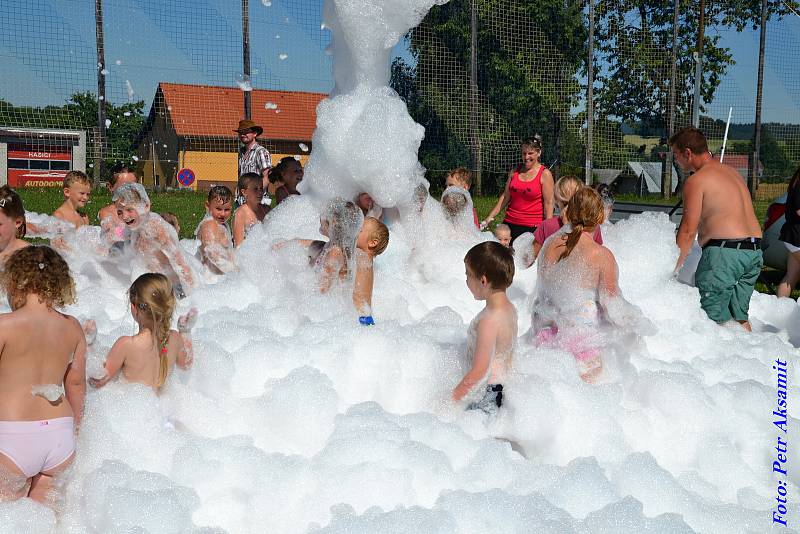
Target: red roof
(208,111)
(737,161)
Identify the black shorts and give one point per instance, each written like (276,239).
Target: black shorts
(517,229)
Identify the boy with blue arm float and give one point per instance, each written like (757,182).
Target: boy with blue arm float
(371,242)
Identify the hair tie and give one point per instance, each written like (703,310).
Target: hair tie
(41,266)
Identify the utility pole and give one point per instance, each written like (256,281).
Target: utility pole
(100,142)
(666,174)
(246,55)
(698,69)
(590,97)
(473,97)
(752,173)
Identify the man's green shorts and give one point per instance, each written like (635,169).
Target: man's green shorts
(726,278)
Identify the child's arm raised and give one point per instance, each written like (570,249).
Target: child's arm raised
(186,347)
(484,350)
(216,246)
(75,378)
(113,363)
(174,254)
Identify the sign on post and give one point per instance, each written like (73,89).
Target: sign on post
(186,177)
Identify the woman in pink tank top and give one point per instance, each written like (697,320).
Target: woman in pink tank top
(528,195)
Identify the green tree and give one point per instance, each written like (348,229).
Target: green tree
(529,54)
(634,43)
(777,166)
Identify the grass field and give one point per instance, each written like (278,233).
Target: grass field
(186,205)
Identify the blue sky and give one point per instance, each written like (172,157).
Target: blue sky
(47,52)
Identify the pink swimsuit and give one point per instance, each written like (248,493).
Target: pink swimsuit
(37,446)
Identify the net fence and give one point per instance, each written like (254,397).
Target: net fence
(480,75)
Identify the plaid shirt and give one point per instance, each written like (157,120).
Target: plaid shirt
(254,160)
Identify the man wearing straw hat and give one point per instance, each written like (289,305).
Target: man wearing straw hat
(719,211)
(252,156)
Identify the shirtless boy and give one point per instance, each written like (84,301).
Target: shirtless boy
(492,333)
(252,211)
(216,244)
(77,188)
(371,242)
(719,211)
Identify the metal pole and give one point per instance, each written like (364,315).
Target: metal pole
(752,174)
(698,70)
(246,54)
(666,175)
(590,96)
(100,142)
(473,96)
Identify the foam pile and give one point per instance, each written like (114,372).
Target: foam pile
(295,418)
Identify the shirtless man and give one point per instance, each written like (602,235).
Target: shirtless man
(719,211)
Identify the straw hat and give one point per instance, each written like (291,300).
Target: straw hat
(249,126)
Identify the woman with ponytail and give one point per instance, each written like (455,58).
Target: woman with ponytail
(147,357)
(576,277)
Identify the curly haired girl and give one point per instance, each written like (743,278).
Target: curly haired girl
(42,374)
(147,357)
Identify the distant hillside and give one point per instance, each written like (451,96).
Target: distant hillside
(743,131)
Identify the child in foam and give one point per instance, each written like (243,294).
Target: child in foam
(110,222)
(457,207)
(577,278)
(371,242)
(367,205)
(341,223)
(462,177)
(492,334)
(147,357)
(152,240)
(12,223)
(77,188)
(287,174)
(564,190)
(251,211)
(42,375)
(503,234)
(216,244)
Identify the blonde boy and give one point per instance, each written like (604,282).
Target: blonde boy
(371,242)
(492,333)
(77,188)
(503,234)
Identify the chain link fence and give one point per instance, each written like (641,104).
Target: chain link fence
(173,79)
